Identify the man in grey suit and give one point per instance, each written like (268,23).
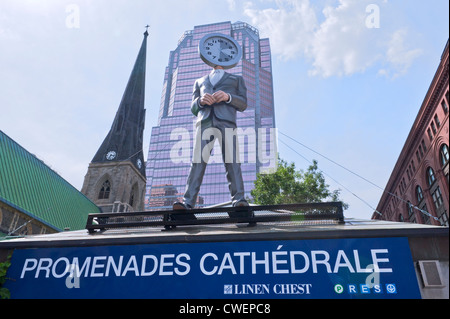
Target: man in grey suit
(216,99)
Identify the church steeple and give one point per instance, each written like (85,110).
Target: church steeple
(125,138)
(115,180)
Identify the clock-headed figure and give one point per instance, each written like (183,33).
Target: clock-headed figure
(217,97)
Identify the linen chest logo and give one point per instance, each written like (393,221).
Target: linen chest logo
(267,289)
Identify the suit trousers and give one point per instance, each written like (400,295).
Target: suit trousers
(206,134)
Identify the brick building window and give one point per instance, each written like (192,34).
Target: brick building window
(436,120)
(410,210)
(444,107)
(424,146)
(430,176)
(437,198)
(444,155)
(425,217)
(430,135)
(436,194)
(419,194)
(433,128)
(443,219)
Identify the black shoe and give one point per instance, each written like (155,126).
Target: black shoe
(241,203)
(180,206)
(243,213)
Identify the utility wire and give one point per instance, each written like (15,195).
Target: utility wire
(343,186)
(341,166)
(329,159)
(365,179)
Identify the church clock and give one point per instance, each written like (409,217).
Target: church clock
(111,155)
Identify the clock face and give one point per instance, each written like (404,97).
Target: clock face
(139,163)
(217,49)
(111,155)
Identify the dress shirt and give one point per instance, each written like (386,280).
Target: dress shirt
(215,76)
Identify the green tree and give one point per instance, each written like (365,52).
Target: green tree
(4,292)
(289,186)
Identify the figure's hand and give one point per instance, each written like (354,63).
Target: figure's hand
(221,96)
(207,99)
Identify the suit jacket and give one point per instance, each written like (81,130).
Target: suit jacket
(229,83)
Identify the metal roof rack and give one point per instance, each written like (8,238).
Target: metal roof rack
(312,213)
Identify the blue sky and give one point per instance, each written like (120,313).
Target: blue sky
(349,76)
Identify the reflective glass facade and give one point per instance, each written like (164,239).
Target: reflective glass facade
(171,142)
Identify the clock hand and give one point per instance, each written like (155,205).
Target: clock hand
(216,51)
(226,51)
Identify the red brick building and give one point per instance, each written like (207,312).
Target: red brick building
(418,189)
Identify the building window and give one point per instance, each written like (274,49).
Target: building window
(133,196)
(131,202)
(430,136)
(419,194)
(105,190)
(430,176)
(444,155)
(436,120)
(437,198)
(444,107)
(424,146)
(433,128)
(443,219)
(425,217)
(444,161)
(410,210)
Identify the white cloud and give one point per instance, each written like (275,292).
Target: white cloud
(290,27)
(341,44)
(398,55)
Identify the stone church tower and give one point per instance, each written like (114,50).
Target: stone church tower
(115,180)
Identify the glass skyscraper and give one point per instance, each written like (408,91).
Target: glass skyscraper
(171,143)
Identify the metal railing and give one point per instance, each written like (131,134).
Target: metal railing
(312,213)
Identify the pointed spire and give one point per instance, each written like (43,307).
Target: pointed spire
(124,140)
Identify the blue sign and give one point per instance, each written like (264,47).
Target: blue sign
(331,269)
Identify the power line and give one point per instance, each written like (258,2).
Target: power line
(340,184)
(341,166)
(361,177)
(327,158)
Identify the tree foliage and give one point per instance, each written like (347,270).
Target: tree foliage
(4,292)
(289,186)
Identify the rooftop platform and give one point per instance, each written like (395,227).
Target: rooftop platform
(409,246)
(289,230)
